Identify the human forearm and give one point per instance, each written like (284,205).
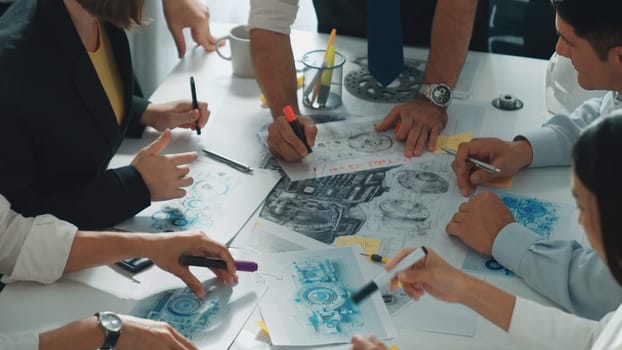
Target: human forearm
(275,70)
(79,335)
(492,303)
(94,248)
(570,275)
(451,33)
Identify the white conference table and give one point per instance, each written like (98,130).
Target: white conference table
(235,107)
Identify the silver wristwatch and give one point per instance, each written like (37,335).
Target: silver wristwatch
(440,94)
(111,323)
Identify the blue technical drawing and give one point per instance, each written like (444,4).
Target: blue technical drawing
(326,302)
(537,215)
(186,313)
(197,207)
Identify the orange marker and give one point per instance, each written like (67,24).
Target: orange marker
(290,115)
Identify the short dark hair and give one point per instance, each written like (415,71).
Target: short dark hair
(122,13)
(597,21)
(597,165)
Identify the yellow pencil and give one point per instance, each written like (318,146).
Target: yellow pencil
(331,40)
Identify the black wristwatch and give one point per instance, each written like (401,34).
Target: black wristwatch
(111,323)
(439,94)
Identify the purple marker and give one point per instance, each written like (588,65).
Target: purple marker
(215,263)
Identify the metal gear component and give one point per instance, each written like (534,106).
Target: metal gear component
(362,84)
(507,102)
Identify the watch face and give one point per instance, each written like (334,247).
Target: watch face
(110,321)
(441,95)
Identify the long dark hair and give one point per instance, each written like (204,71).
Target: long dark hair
(597,165)
(122,13)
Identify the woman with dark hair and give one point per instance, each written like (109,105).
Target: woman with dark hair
(66,104)
(597,190)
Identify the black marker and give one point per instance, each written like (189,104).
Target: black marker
(195,104)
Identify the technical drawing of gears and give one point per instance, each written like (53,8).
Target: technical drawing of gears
(184,305)
(173,216)
(210,188)
(370,142)
(362,84)
(313,218)
(422,181)
(404,210)
(537,215)
(323,296)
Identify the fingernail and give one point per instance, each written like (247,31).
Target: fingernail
(397,127)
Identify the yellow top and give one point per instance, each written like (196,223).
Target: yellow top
(106,66)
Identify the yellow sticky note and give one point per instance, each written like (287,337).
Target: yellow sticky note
(368,245)
(262,325)
(394,347)
(503,182)
(451,141)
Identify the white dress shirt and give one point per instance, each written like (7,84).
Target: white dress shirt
(274,15)
(542,327)
(31,249)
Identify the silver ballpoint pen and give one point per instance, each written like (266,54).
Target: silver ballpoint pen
(478,163)
(230,162)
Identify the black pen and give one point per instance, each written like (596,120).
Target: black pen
(290,115)
(195,104)
(230,162)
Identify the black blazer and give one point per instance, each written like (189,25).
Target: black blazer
(57,129)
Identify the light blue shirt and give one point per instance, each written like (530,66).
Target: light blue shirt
(567,273)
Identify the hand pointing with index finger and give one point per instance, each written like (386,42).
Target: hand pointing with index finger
(164,175)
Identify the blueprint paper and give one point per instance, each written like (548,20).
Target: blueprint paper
(309,302)
(346,146)
(353,144)
(219,202)
(404,206)
(550,220)
(210,323)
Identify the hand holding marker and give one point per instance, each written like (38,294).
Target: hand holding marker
(290,115)
(384,277)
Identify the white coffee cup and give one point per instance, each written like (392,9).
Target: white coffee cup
(239,41)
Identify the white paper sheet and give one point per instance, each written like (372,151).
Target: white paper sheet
(268,237)
(219,202)
(433,315)
(125,285)
(308,300)
(352,145)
